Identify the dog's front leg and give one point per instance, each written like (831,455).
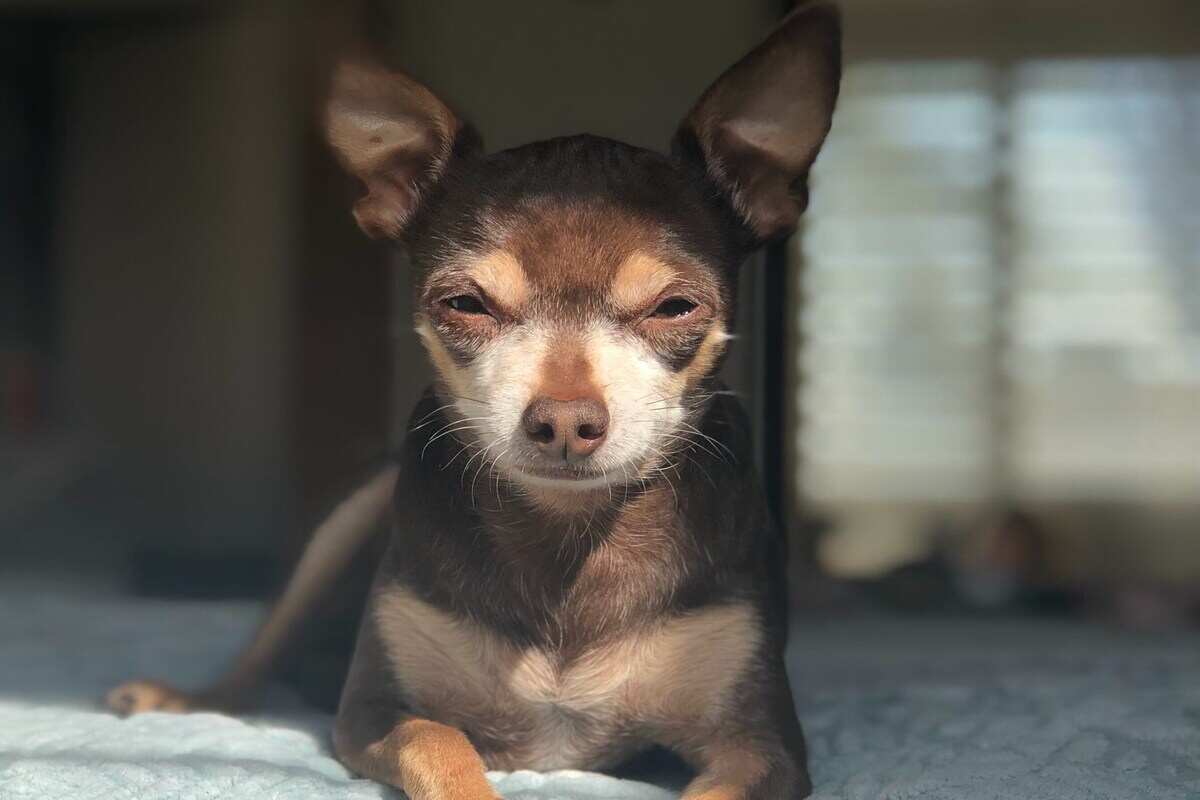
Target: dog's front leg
(752,748)
(748,772)
(748,775)
(377,734)
(426,759)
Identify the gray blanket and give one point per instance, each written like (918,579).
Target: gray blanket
(939,710)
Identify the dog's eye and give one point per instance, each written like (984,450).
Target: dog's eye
(466,304)
(674,307)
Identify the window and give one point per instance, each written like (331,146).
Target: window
(1001,291)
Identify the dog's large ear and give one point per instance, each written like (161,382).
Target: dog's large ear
(758,128)
(396,136)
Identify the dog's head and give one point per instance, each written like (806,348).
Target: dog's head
(575,295)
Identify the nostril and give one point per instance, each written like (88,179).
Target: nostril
(570,429)
(539,423)
(591,431)
(543,433)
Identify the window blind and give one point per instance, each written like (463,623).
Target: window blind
(1001,285)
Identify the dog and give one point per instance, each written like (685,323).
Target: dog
(614,582)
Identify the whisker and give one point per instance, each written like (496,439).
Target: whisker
(497,474)
(482,451)
(452,428)
(482,463)
(700,467)
(676,437)
(463,397)
(461,450)
(716,442)
(421,423)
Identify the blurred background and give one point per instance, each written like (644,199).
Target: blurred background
(975,374)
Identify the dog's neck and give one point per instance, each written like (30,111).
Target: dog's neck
(547,574)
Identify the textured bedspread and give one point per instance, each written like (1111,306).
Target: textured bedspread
(938,710)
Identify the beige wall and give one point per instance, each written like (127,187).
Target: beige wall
(1019,28)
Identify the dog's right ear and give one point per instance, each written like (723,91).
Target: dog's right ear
(759,127)
(396,136)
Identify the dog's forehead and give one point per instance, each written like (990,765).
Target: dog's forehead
(576,215)
(589,245)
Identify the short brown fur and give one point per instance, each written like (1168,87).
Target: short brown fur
(571,613)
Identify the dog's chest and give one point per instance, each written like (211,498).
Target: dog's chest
(533,708)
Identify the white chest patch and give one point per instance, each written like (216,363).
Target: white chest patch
(541,712)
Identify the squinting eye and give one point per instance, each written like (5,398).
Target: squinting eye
(466,304)
(674,307)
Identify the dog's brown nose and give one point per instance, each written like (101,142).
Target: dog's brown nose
(571,429)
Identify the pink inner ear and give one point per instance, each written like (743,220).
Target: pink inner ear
(386,208)
(391,155)
(760,125)
(767,192)
(785,144)
(394,135)
(366,140)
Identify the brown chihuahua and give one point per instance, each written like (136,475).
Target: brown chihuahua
(614,583)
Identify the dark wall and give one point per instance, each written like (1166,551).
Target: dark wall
(230,352)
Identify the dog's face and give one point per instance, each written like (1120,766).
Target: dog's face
(575,308)
(575,295)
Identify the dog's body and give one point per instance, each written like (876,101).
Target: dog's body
(577,641)
(581,565)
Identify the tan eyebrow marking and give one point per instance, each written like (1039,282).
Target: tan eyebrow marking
(501,276)
(706,356)
(639,279)
(453,375)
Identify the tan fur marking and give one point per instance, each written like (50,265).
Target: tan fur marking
(437,655)
(566,372)
(706,356)
(450,373)
(638,281)
(682,669)
(676,674)
(729,774)
(136,697)
(502,278)
(718,793)
(430,761)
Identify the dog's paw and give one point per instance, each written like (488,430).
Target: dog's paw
(135,697)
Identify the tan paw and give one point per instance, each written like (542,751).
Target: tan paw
(135,697)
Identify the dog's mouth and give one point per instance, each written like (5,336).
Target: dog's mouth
(564,476)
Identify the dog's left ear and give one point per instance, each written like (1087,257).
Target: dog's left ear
(759,127)
(396,136)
